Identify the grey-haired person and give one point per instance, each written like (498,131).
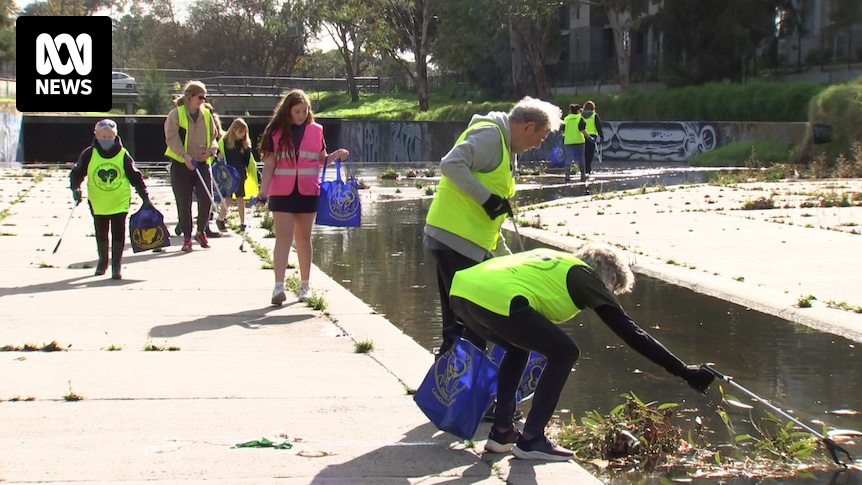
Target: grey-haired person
(516,301)
(462,227)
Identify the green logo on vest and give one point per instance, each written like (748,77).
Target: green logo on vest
(107,177)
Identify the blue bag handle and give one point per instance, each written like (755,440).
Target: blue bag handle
(337,172)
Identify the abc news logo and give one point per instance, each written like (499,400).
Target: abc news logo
(63,64)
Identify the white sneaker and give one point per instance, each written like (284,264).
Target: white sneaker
(304,293)
(278,295)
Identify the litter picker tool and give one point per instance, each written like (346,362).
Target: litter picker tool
(517,232)
(834,450)
(203,183)
(68,220)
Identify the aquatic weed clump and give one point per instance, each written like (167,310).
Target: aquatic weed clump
(646,438)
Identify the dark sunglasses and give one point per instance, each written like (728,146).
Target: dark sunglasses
(201,97)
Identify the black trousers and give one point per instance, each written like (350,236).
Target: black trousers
(589,153)
(523,331)
(117,225)
(184,182)
(448,262)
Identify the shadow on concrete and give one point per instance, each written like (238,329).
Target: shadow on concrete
(248,319)
(88,281)
(416,455)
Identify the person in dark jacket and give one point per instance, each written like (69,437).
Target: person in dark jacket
(110,171)
(594,130)
(516,301)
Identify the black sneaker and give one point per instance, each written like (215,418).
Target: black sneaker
(502,442)
(222,227)
(540,448)
(210,233)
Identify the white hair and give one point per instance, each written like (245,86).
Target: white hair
(543,113)
(610,265)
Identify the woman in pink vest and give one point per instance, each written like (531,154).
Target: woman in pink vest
(293,152)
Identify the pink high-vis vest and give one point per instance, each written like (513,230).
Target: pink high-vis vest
(305,167)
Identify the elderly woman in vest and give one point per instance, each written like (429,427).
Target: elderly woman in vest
(293,152)
(191,136)
(516,301)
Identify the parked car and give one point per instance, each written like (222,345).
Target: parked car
(121,80)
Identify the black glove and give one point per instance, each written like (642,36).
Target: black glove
(76,195)
(698,377)
(147,203)
(496,206)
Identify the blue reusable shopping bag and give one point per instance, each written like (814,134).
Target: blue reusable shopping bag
(225,177)
(557,157)
(535,366)
(459,387)
(147,230)
(339,204)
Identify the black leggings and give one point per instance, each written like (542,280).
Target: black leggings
(588,156)
(117,225)
(448,262)
(184,181)
(523,331)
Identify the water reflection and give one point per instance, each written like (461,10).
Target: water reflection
(810,373)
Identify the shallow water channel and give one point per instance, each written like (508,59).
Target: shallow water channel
(811,374)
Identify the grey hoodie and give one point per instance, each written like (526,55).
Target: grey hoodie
(480,151)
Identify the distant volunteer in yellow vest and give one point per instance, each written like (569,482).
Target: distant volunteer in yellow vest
(463,224)
(110,171)
(594,131)
(573,141)
(191,136)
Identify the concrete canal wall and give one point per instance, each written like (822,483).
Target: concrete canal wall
(56,138)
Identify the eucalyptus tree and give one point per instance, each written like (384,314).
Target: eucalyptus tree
(350,24)
(623,16)
(408,27)
(261,37)
(472,44)
(532,24)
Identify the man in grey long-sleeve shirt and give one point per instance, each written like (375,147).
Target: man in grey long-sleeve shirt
(463,224)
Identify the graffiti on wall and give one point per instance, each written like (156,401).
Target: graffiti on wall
(11,124)
(362,139)
(406,142)
(661,141)
(657,141)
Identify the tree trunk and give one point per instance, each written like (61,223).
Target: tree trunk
(619,26)
(422,82)
(537,48)
(517,53)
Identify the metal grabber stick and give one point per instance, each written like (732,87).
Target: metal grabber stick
(833,448)
(68,220)
(517,232)
(203,183)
